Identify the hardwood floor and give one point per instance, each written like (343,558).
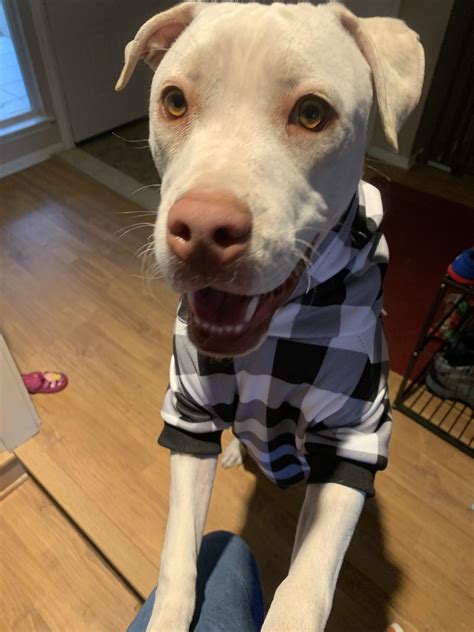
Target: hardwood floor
(72,299)
(50,579)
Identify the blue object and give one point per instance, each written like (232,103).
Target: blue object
(228,592)
(462,268)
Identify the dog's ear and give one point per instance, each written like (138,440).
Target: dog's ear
(396,58)
(154,38)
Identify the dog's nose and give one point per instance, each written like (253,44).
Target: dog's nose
(212,226)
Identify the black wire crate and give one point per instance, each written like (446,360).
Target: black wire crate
(444,408)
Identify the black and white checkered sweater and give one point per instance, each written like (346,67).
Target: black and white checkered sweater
(312,401)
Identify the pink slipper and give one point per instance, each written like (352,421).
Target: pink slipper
(47,382)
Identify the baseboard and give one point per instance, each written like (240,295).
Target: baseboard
(30,159)
(112,178)
(391,158)
(12,474)
(438,165)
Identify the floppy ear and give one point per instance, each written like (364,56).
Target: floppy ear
(154,38)
(396,58)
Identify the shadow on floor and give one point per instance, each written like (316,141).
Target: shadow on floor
(368,579)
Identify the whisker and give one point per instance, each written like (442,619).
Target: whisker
(145,253)
(146,186)
(144,250)
(377,171)
(305,243)
(307,260)
(129,229)
(149,265)
(129,140)
(140,212)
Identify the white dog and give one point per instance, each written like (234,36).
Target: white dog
(258,124)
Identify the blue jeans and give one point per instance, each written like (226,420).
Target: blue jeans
(228,592)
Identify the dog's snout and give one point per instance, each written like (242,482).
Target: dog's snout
(209,226)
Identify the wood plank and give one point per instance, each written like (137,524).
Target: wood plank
(110,384)
(106,535)
(72,301)
(50,580)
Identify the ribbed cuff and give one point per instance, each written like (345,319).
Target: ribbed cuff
(179,440)
(327,467)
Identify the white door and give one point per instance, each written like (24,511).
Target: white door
(88,38)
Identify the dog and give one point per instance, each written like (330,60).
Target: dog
(258,126)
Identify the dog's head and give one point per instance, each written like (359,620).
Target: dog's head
(258,124)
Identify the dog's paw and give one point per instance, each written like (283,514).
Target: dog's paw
(234,454)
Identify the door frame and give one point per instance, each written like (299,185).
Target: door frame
(46,130)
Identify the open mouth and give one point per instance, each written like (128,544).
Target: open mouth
(226,324)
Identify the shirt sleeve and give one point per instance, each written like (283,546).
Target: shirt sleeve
(352,455)
(180,440)
(348,431)
(191,425)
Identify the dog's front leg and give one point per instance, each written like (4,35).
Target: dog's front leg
(192,479)
(303,601)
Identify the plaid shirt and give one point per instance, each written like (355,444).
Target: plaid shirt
(312,401)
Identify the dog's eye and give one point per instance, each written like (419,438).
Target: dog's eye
(174,102)
(311,113)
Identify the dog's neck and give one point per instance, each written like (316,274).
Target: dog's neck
(356,227)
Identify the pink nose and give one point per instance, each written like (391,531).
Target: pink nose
(209,226)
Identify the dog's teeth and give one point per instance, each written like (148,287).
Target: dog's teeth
(219,329)
(251,309)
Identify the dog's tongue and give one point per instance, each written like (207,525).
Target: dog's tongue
(222,308)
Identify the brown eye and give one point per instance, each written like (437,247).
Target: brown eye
(174,103)
(311,113)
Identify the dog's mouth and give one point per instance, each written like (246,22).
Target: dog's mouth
(225,324)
